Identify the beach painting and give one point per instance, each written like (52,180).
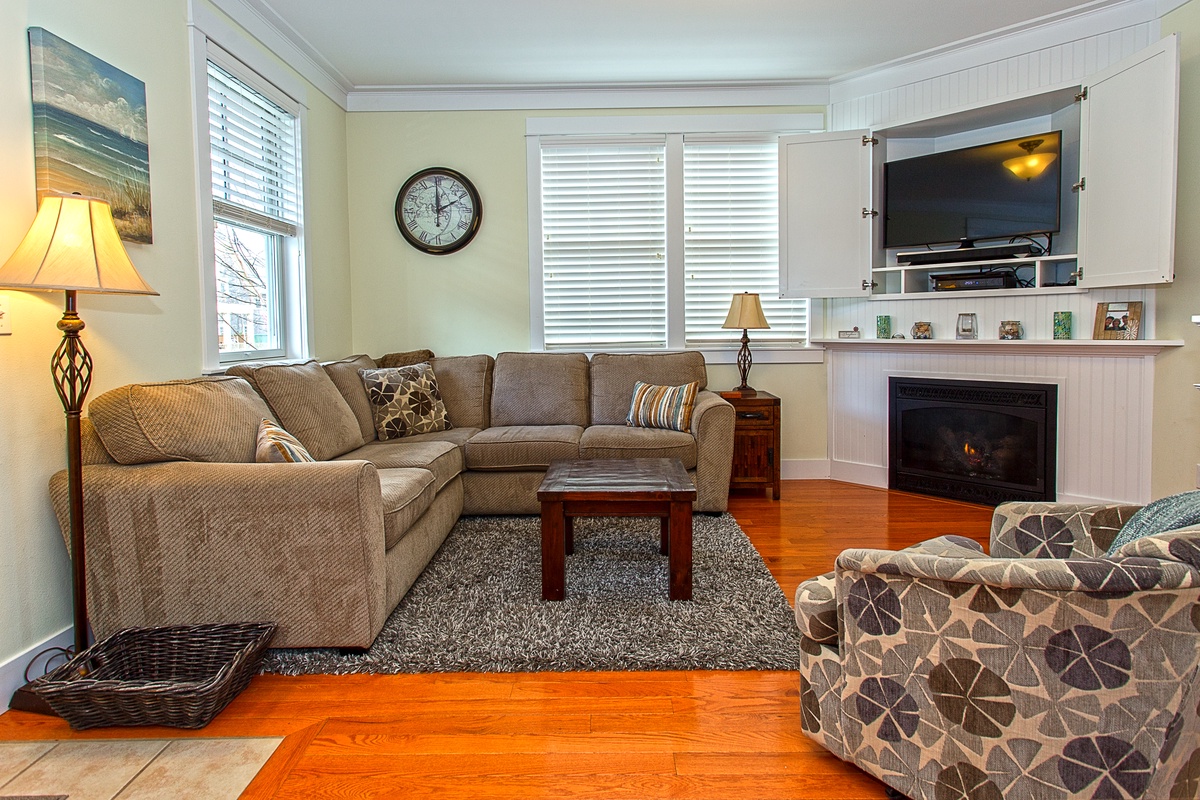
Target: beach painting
(89,131)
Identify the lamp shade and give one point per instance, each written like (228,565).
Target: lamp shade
(73,245)
(745,311)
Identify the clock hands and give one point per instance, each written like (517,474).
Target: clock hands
(444,206)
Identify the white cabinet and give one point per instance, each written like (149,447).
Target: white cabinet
(1118,196)
(825,214)
(1127,159)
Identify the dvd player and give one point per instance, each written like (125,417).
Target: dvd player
(973,280)
(920,257)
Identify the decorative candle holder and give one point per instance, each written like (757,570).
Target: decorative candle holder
(1062,324)
(967,327)
(1010,329)
(883,327)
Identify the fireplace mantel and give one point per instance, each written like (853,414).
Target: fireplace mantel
(1106,348)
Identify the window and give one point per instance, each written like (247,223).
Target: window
(644,238)
(254,141)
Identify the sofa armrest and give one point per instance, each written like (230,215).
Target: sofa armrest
(712,425)
(300,545)
(1056,530)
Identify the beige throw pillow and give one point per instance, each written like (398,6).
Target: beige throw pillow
(405,400)
(309,407)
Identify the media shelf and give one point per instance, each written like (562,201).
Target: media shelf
(1035,274)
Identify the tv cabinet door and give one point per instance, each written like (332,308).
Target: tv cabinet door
(824,236)
(1128,152)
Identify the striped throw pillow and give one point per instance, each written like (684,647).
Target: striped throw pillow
(277,446)
(662,406)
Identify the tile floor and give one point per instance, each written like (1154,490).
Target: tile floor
(132,769)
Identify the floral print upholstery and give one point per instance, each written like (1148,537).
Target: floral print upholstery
(1043,671)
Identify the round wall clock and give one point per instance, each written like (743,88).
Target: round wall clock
(438,210)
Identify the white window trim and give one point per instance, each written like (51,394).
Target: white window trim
(674,127)
(213,39)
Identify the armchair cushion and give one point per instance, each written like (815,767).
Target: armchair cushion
(1166,514)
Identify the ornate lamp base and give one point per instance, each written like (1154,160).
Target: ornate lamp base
(744,362)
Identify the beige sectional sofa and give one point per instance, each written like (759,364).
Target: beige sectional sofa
(182,526)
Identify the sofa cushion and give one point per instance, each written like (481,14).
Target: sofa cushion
(405,401)
(541,389)
(443,459)
(277,446)
(614,374)
(667,407)
(522,447)
(622,441)
(307,404)
(211,419)
(407,493)
(405,358)
(466,386)
(345,377)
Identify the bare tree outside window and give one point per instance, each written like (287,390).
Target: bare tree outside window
(245,280)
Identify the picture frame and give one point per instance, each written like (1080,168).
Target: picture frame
(1118,320)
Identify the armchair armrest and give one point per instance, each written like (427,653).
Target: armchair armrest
(712,425)
(1056,530)
(301,545)
(1094,576)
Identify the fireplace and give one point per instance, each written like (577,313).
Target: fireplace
(979,441)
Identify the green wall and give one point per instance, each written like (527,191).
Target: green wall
(130,338)
(1176,439)
(477,300)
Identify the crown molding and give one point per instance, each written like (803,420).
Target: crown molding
(576,96)
(264,24)
(1093,19)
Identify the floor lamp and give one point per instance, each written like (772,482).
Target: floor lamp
(73,246)
(745,312)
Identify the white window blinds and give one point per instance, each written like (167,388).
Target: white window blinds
(254,156)
(731,241)
(604,246)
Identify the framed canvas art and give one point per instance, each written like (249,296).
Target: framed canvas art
(89,131)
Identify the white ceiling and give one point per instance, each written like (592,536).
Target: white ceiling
(399,44)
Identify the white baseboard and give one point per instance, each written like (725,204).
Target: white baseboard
(12,672)
(865,474)
(804,469)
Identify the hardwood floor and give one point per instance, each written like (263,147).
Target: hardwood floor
(639,735)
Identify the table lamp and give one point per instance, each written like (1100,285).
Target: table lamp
(73,245)
(745,312)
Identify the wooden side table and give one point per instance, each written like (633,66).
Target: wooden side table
(755,442)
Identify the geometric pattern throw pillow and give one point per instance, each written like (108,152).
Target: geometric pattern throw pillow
(405,401)
(277,446)
(667,407)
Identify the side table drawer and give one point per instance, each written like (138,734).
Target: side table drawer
(756,417)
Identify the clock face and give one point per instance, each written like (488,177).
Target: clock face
(438,210)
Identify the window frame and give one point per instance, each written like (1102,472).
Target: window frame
(673,128)
(212,40)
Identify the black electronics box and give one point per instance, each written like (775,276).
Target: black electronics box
(922,257)
(973,280)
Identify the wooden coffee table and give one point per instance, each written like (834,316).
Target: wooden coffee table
(617,487)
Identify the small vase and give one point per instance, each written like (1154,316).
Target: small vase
(883,327)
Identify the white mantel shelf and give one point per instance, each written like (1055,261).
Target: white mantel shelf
(1106,348)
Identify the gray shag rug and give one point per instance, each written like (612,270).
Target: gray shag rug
(477,607)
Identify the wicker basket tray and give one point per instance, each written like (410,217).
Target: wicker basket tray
(180,676)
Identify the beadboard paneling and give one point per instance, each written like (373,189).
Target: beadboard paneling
(1104,407)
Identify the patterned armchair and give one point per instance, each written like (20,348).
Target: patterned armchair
(1047,670)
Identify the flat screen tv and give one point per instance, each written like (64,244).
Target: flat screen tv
(969,194)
